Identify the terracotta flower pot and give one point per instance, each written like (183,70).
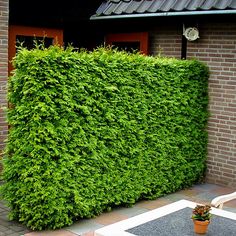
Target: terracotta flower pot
(200,227)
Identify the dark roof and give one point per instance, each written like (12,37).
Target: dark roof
(130,8)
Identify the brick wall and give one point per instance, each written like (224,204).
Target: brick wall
(3,69)
(217,48)
(166,41)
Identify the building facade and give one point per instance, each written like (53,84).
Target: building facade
(4,13)
(216,47)
(164,22)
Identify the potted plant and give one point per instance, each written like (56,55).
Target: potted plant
(201,218)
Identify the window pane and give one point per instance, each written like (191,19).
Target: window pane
(29,41)
(127,46)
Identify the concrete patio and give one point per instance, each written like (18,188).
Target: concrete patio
(201,193)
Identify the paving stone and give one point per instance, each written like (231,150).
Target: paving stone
(207,196)
(4,214)
(3,228)
(9,231)
(89,234)
(231,203)
(2,210)
(10,228)
(84,226)
(15,228)
(131,211)
(153,204)
(219,190)
(231,209)
(16,234)
(174,197)
(201,193)
(5,223)
(52,233)
(189,192)
(110,218)
(199,200)
(204,187)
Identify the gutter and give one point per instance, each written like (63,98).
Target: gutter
(181,13)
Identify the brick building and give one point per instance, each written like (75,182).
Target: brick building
(217,48)
(23,21)
(154,27)
(4,10)
(163,23)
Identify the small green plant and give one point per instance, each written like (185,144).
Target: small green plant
(202,213)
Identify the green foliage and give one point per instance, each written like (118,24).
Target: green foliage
(90,131)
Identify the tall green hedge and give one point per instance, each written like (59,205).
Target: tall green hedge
(90,131)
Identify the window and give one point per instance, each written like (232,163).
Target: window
(129,41)
(27,35)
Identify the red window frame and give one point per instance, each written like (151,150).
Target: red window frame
(14,30)
(141,37)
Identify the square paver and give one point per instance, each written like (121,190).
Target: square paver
(51,233)
(110,218)
(204,187)
(152,204)
(84,226)
(207,196)
(219,190)
(131,211)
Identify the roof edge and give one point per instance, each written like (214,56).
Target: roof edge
(181,13)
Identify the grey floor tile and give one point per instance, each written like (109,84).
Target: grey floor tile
(174,197)
(16,228)
(3,228)
(204,187)
(132,211)
(204,193)
(83,226)
(231,209)
(206,196)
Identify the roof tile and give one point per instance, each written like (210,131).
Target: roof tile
(143,6)
(195,5)
(124,7)
(181,5)
(121,7)
(134,6)
(155,6)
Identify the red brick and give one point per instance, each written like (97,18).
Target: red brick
(3,67)
(222,91)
